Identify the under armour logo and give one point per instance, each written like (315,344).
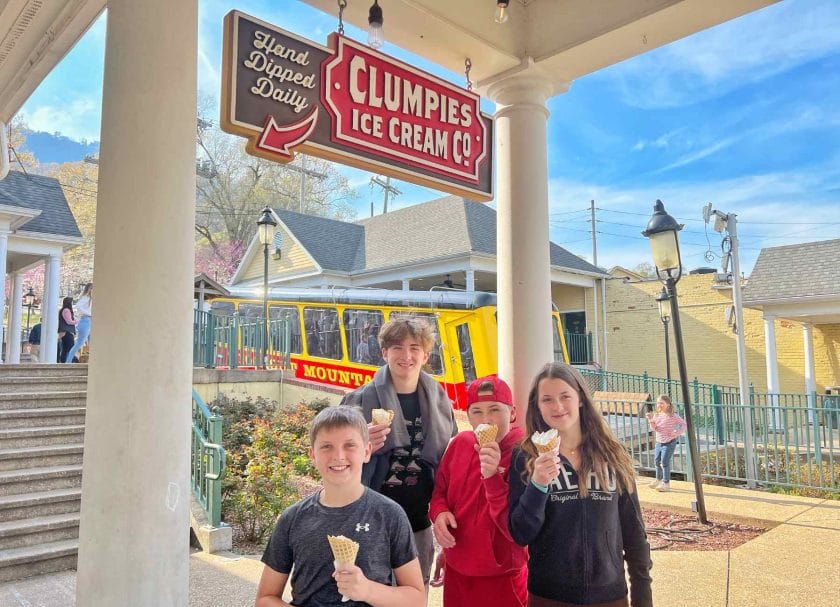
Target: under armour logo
(360,527)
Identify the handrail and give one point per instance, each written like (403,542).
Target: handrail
(208,459)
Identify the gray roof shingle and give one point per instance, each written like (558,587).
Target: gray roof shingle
(44,193)
(332,243)
(810,269)
(438,228)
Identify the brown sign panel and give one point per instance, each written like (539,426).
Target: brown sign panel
(351,104)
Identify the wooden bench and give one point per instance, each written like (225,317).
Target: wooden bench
(622,403)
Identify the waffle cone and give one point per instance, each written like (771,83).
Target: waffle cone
(487,434)
(381,416)
(547,448)
(344,549)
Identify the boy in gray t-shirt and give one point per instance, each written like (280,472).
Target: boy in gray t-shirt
(386,572)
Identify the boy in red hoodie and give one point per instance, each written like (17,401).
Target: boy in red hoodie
(469,507)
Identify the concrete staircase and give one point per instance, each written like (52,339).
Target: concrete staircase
(42,417)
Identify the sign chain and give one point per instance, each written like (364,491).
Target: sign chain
(467,68)
(342,4)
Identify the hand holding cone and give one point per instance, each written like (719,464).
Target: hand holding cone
(381,416)
(547,441)
(486,433)
(344,552)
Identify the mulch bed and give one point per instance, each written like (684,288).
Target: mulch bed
(669,531)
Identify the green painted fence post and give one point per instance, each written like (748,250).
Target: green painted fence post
(645,383)
(209,336)
(718,412)
(214,495)
(233,342)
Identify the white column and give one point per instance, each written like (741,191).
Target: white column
(406,284)
(470,280)
(772,364)
(134,534)
(15,310)
(524,278)
(810,375)
(4,248)
(49,310)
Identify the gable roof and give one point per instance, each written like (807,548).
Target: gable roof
(38,192)
(795,271)
(333,244)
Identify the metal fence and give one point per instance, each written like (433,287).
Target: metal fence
(796,437)
(207,459)
(579,346)
(235,342)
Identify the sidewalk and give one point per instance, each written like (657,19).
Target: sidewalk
(796,563)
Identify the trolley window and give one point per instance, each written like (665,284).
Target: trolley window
(558,345)
(322,333)
(465,347)
(290,315)
(222,308)
(435,364)
(361,327)
(250,311)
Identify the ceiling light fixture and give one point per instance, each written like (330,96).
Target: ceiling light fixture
(501,11)
(375,21)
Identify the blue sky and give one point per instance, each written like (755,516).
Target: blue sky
(745,115)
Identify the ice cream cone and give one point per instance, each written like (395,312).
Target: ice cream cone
(545,441)
(486,433)
(381,416)
(344,552)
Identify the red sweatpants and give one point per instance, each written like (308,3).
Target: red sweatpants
(498,591)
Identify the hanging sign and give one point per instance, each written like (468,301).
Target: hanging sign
(351,104)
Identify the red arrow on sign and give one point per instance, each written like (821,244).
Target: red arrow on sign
(281,140)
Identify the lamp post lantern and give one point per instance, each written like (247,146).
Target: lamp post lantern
(662,231)
(664,303)
(266,226)
(29,300)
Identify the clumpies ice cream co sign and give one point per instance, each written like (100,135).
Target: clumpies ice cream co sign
(354,105)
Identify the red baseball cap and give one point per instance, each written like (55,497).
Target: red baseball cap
(497,391)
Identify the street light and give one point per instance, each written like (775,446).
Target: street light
(665,245)
(29,301)
(265,227)
(664,303)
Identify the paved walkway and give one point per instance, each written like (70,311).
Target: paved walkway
(796,563)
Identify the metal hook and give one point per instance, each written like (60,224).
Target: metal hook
(342,4)
(467,68)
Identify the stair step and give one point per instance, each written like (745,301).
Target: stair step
(40,457)
(39,530)
(17,438)
(43,370)
(9,385)
(39,417)
(26,561)
(14,482)
(37,400)
(42,503)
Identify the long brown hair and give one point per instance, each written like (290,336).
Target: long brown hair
(600,452)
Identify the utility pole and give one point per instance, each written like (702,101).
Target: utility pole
(597,348)
(729,222)
(386,187)
(303,173)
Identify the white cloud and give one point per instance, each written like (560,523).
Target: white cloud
(77,119)
(743,51)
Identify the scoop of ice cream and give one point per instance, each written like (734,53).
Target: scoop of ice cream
(486,433)
(545,441)
(381,416)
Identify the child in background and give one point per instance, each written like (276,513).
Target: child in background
(483,565)
(573,501)
(386,572)
(668,427)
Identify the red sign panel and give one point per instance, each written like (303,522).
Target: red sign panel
(352,104)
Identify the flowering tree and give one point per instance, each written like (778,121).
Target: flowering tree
(219,262)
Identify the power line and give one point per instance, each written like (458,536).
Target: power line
(758,223)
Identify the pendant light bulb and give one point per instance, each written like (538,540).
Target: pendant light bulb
(375,21)
(501,11)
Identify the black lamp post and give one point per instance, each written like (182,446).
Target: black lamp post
(29,300)
(662,231)
(266,226)
(663,301)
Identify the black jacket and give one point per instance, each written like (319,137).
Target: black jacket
(578,546)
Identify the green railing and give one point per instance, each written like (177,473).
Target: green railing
(579,346)
(207,459)
(235,342)
(795,437)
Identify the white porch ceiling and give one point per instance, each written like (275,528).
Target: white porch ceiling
(560,39)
